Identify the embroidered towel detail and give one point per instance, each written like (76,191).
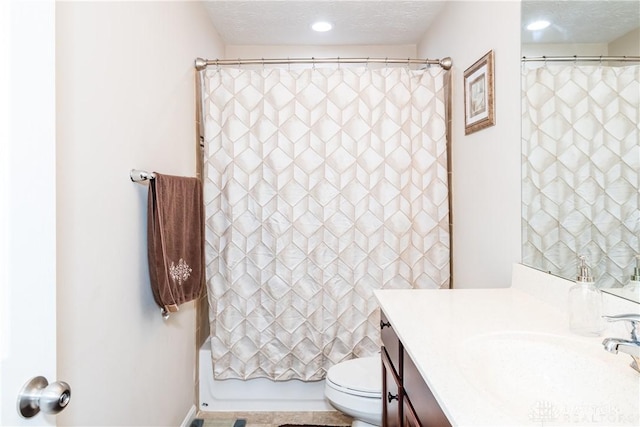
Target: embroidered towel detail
(179,272)
(175,233)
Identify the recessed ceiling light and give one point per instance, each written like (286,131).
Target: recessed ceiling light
(321,26)
(538,25)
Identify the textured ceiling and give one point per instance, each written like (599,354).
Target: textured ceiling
(599,21)
(363,22)
(396,22)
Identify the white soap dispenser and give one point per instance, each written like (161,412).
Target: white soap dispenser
(585,303)
(633,287)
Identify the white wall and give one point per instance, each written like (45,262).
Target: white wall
(373,51)
(485,164)
(565,49)
(125,99)
(628,44)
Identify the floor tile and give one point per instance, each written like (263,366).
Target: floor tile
(274,419)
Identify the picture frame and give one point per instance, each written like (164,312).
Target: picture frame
(479,107)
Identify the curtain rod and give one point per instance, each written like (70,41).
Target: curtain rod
(201,63)
(580,58)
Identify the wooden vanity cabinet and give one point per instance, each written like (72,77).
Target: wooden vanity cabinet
(406,398)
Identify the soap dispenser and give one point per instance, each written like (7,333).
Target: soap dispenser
(585,303)
(633,287)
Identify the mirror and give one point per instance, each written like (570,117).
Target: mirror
(580,143)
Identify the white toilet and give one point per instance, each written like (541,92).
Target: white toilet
(354,387)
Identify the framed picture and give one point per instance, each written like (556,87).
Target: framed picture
(479,110)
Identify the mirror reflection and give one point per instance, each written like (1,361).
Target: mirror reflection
(580,140)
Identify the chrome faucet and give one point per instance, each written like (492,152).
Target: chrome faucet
(632,346)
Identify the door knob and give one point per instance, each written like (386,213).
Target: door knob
(38,395)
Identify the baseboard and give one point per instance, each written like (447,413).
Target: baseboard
(191,415)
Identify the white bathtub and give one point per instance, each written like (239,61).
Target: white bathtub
(258,394)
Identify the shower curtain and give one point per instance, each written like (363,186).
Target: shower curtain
(321,185)
(581,163)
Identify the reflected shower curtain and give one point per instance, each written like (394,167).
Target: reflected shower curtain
(581,169)
(321,185)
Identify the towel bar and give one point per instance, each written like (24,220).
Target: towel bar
(137,175)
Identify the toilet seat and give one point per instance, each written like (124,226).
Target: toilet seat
(358,377)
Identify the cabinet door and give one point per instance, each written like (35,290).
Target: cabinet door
(423,402)
(410,419)
(391,394)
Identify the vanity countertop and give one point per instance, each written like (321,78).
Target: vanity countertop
(505,357)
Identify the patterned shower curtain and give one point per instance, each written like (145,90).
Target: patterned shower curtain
(581,169)
(321,185)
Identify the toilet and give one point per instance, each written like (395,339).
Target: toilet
(354,387)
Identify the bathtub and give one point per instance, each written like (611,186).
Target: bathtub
(255,395)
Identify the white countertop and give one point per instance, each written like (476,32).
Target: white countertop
(443,329)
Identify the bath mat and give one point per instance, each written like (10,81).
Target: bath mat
(312,425)
(218,423)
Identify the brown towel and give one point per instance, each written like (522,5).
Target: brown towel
(175,232)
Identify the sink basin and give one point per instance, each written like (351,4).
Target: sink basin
(548,379)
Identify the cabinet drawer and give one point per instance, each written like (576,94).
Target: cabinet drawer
(424,404)
(391,395)
(391,344)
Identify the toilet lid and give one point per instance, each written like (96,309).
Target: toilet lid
(361,376)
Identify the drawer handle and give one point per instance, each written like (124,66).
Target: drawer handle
(391,397)
(383,324)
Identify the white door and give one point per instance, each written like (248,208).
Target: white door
(27,202)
